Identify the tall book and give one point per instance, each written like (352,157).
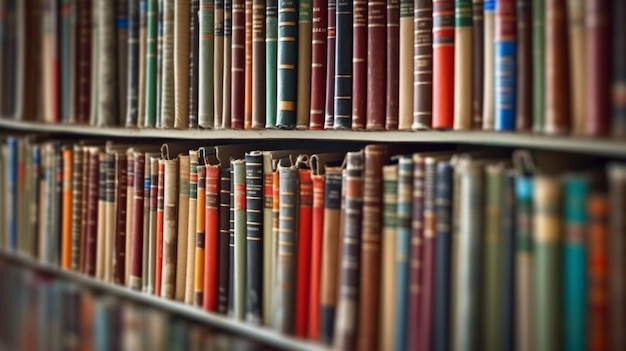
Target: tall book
(546,263)
(238,69)
(489,65)
(507,273)
(287,77)
(406,55)
(359,87)
(318,64)
(194,62)
(618,78)
(130,207)
(211,241)
(92,212)
(107,96)
(218,61)
(598,62)
(523,115)
(577,69)
(392,61)
(121,193)
(121,59)
(151,56)
(598,272)
(443,64)
(247,107)
(303,259)
(240,249)
(254,236)
(110,217)
(463,55)
(94,72)
(82,95)
(192,216)
(195,259)
(258,64)
(557,79)
(66,224)
(159,62)
(77,204)
(132,98)
(317,236)
(226,88)
(223,275)
(153,229)
(185,248)
(505,42)
(305,32)
(616,180)
(101,221)
(388,258)
(331,39)
(170,201)
(342,108)
(478,56)
(206,65)
(181,63)
(168,76)
(141,62)
(523,262)
(271,62)
(376,66)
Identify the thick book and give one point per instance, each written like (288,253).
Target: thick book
(223,276)
(271,62)
(598,283)
(523,108)
(170,203)
(392,61)
(132,81)
(181,63)
(141,62)
(254,236)
(238,69)
(478,64)
(578,68)
(318,64)
(247,102)
(317,235)
(303,249)
(227,62)
(287,60)
(218,61)
(523,262)
(388,258)
(598,63)
(305,32)
(557,97)
(167,99)
(443,64)
(505,43)
(195,258)
(258,64)
(406,57)
(238,206)
(211,241)
(192,216)
(618,69)
(616,181)
(463,55)
(185,248)
(376,78)
(107,97)
(206,64)
(342,107)
(489,64)
(194,62)
(359,87)
(151,65)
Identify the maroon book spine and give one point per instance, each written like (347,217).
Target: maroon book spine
(416,260)
(598,67)
(557,69)
(238,57)
(376,64)
(330,65)
(84,62)
(136,263)
(85,197)
(392,62)
(92,213)
(359,64)
(318,64)
(524,117)
(120,237)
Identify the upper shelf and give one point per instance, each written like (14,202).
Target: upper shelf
(603,147)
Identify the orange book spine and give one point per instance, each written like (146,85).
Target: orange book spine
(198,295)
(66,253)
(443,64)
(317,234)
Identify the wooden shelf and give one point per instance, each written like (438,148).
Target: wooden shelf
(600,147)
(258,333)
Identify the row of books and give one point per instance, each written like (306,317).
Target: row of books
(44,313)
(318,64)
(382,247)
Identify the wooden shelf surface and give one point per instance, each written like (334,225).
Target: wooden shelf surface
(258,333)
(591,146)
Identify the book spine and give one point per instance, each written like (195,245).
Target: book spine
(119,263)
(331,40)
(101,220)
(286,88)
(523,262)
(318,64)
(110,217)
(185,248)
(523,114)
(423,65)
(489,65)
(507,273)
(66,225)
(133,63)
(598,271)
(410,238)
(84,200)
(348,293)
(305,32)
(194,60)
(258,64)
(67,42)
(271,62)
(168,76)
(275,227)
(376,66)
(269,240)
(153,257)
(107,96)
(406,56)
(616,179)
(193,215)
(160,211)
(539,63)
(121,60)
(443,64)
(388,258)
(463,55)
(618,69)
(575,195)
(92,214)
(546,262)
(359,63)
(223,283)
(577,68)
(254,236)
(151,64)
(342,110)
(557,108)
(226,108)
(317,234)
(218,62)
(247,102)
(375,156)
(199,241)
(168,280)
(231,244)
(159,63)
(181,63)
(57,203)
(141,62)
(238,70)
(598,60)
(303,259)
(84,61)
(77,204)
(207,295)
(478,54)
(206,61)
(239,242)
(392,61)
(505,41)
(94,57)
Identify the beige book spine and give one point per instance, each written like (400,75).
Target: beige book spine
(576,36)
(489,84)
(181,64)
(183,274)
(170,231)
(405,100)
(463,78)
(388,260)
(192,215)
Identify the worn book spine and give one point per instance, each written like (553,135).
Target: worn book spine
(218,62)
(489,65)
(226,108)
(392,61)
(193,213)
(168,76)
(223,278)
(206,69)
(303,249)
(505,43)
(181,63)
(269,240)
(317,234)
(574,299)
(92,213)
(331,38)
(194,62)
(207,295)
(109,216)
(271,62)
(85,201)
(443,64)
(247,102)
(406,57)
(616,180)
(119,258)
(376,79)
(330,253)
(305,28)
(618,69)
(121,60)
(577,69)
(346,324)
(254,236)
(184,247)
(342,110)
(66,224)
(238,70)
(598,63)
(598,272)
(507,273)
(195,259)
(154,239)
(546,262)
(557,78)
(151,65)
(77,204)
(463,55)
(133,64)
(170,197)
(388,258)
(423,65)
(160,208)
(107,80)
(318,64)
(478,54)
(523,262)
(240,251)
(287,77)
(410,238)
(359,63)
(94,74)
(258,64)
(523,114)
(101,220)
(82,86)
(539,63)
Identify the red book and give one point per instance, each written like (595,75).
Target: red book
(443,63)
(359,64)
(238,57)
(598,66)
(211,237)
(557,105)
(318,65)
(317,235)
(376,64)
(303,265)
(598,241)
(158,271)
(392,62)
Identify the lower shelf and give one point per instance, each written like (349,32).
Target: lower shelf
(258,333)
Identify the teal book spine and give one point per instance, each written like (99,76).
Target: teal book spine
(286,88)
(151,78)
(271,52)
(403,250)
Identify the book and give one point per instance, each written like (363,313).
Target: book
(523,261)
(406,84)
(77,203)
(618,77)
(303,249)
(194,62)
(376,62)
(153,238)
(94,72)
(577,71)
(557,97)
(597,272)
(66,225)
(505,41)
(185,248)
(170,201)
(271,62)
(287,76)
(211,240)
(317,235)
(107,64)
(226,88)
(318,64)
(121,194)
(360,39)
(130,201)
(392,62)
(388,257)
(167,111)
(269,239)
(597,43)
(208,65)
(463,55)
(443,64)
(151,64)
(254,236)
(159,62)
(91,230)
(238,69)
(616,185)
(141,60)
(121,59)
(218,61)
(195,258)
(181,46)
(238,198)
(258,64)
(223,289)
(342,107)
(192,226)
(247,107)
(110,225)
(478,57)
(101,222)
(303,87)
(489,64)
(66,58)
(331,38)
(133,64)
(523,115)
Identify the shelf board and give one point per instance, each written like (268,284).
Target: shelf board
(592,146)
(258,333)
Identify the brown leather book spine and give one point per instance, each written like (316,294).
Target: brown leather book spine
(376,64)
(85,199)
(238,60)
(318,64)
(598,62)
(248,65)
(392,61)
(616,174)
(181,64)
(83,84)
(136,261)
(423,65)
(598,272)
(258,64)
(330,65)
(557,119)
(92,212)
(33,57)
(478,53)
(119,263)
(524,117)
(375,157)
(359,64)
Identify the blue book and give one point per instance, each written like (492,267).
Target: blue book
(403,249)
(343,65)
(505,64)
(443,203)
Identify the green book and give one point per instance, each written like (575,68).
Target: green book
(271,52)
(539,60)
(151,78)
(206,91)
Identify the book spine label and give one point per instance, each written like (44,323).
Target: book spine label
(151,64)
(168,100)
(77,205)
(254,236)
(557,103)
(194,62)
(247,107)
(305,27)
(211,242)
(185,246)
(228,25)
(598,270)
(303,264)
(317,233)
(407,46)
(160,212)
(359,63)
(388,257)
(223,284)
(342,110)
(331,39)
(271,62)
(478,64)
(198,240)
(597,40)
(410,237)
(524,67)
(238,70)
(66,225)
(133,64)
(489,64)
(376,65)
(240,250)
(618,69)
(392,62)
(506,65)
(119,263)
(258,64)
(287,61)
(443,64)
(181,63)
(206,55)
(170,197)
(107,96)
(523,257)
(463,65)
(318,64)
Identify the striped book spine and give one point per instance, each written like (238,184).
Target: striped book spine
(406,51)
(618,69)
(181,63)
(489,65)
(524,105)
(331,39)
(194,62)
(206,56)
(575,197)
(286,251)
(159,228)
(107,96)
(523,262)
(168,99)
(392,88)
(185,248)
(92,213)
(170,197)
(557,97)
(66,225)
(228,25)
(239,257)
(359,63)
(271,62)
(388,258)
(577,68)
(77,204)
(539,64)
(108,257)
(478,64)
(223,284)
(258,64)
(193,215)
(303,259)
(443,64)
(133,64)
(238,69)
(199,240)
(247,102)
(318,65)
(218,62)
(507,273)
(269,240)
(211,242)
(410,233)
(287,77)
(317,235)
(598,61)
(376,66)
(119,258)
(254,236)
(305,28)
(154,239)
(598,272)
(463,65)
(342,109)
(505,41)
(151,65)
